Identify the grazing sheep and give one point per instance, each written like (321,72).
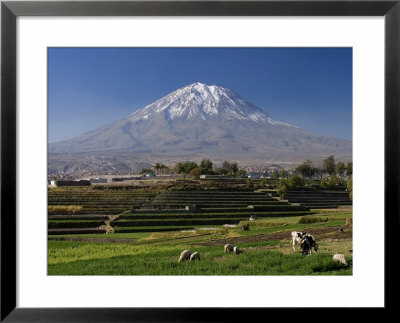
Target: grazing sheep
(185,255)
(236,250)
(296,237)
(340,258)
(195,256)
(228,247)
(253,217)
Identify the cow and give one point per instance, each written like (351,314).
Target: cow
(296,237)
(308,243)
(228,248)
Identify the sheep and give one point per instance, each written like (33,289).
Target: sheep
(228,247)
(296,237)
(236,250)
(340,258)
(185,255)
(195,256)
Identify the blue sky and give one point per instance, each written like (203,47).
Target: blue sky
(307,87)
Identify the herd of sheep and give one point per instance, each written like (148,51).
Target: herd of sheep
(188,255)
(305,240)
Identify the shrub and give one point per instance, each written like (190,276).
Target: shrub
(350,187)
(282,191)
(195,172)
(250,182)
(296,182)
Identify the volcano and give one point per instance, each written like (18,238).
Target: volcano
(205,120)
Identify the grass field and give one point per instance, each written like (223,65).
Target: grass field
(266,249)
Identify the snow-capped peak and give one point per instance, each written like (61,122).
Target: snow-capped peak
(206,102)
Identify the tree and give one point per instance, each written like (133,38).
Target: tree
(340,168)
(295,182)
(188,166)
(318,172)
(283,187)
(206,166)
(157,166)
(146,170)
(284,174)
(306,169)
(324,182)
(226,165)
(195,172)
(234,168)
(240,173)
(220,171)
(282,191)
(349,169)
(333,181)
(185,167)
(350,186)
(160,167)
(274,175)
(250,183)
(178,169)
(228,168)
(328,165)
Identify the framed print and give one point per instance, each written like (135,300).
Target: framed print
(179,154)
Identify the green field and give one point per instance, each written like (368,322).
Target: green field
(150,227)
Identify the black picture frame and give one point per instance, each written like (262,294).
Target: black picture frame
(10,10)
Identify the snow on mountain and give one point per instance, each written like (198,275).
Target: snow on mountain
(206,102)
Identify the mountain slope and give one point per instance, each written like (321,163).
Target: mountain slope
(204,119)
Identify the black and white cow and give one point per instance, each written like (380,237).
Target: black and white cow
(296,237)
(308,243)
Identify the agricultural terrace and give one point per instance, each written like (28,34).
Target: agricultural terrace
(134,230)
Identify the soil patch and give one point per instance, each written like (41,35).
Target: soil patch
(318,233)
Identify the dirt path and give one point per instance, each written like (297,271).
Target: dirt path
(319,234)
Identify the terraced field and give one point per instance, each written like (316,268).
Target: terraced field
(205,208)
(99,201)
(91,207)
(319,199)
(167,211)
(149,227)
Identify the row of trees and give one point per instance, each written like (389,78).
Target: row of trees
(295,182)
(308,170)
(204,168)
